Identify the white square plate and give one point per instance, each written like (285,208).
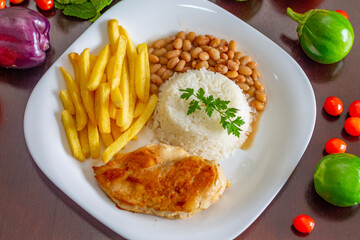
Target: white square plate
(256,175)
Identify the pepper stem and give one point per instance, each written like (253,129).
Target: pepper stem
(298,17)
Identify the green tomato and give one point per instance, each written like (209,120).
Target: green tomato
(325,36)
(337,179)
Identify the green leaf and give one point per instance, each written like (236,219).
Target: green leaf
(200,94)
(95,18)
(59,6)
(71,1)
(193,106)
(209,110)
(187,93)
(100,4)
(84,11)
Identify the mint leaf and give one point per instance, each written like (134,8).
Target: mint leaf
(59,6)
(84,11)
(100,4)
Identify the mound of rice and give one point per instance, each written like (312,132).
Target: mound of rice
(197,133)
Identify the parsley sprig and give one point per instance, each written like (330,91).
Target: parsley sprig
(227,114)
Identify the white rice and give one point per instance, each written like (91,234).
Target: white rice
(197,133)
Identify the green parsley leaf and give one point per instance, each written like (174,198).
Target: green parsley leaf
(187,93)
(211,105)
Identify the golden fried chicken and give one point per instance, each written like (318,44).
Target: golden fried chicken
(162,180)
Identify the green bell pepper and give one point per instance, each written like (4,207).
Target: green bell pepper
(337,179)
(325,35)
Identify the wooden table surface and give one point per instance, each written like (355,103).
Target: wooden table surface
(32,207)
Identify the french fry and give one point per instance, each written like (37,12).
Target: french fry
(106,138)
(113,32)
(74,59)
(93,59)
(116,72)
(86,95)
(112,110)
(103,79)
(131,132)
(109,68)
(67,103)
(116,97)
(123,118)
(140,107)
(81,116)
(115,129)
(131,52)
(71,135)
(103,108)
(84,142)
(142,75)
(99,68)
(94,140)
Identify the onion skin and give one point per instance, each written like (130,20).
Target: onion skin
(24,38)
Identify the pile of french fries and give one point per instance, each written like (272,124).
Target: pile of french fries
(108,100)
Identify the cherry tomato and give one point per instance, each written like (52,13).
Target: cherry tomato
(354,109)
(343,13)
(16,1)
(304,223)
(335,145)
(352,126)
(2,4)
(45,4)
(333,106)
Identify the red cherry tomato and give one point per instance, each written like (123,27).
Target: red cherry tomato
(335,145)
(352,126)
(16,1)
(333,106)
(354,109)
(45,4)
(304,223)
(2,4)
(343,13)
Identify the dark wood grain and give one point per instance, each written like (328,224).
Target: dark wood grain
(32,207)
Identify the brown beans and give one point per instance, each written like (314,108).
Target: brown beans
(154,68)
(178,43)
(259,85)
(195,52)
(261,96)
(232,74)
(204,56)
(214,54)
(173,53)
(159,52)
(156,79)
(233,45)
(245,60)
(172,63)
(180,66)
(187,45)
(186,56)
(181,35)
(202,64)
(167,74)
(244,70)
(160,43)
(221,68)
(201,40)
(154,89)
(259,106)
(182,51)
(232,65)
(153,58)
(191,36)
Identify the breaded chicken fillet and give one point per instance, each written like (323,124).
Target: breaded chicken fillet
(162,180)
